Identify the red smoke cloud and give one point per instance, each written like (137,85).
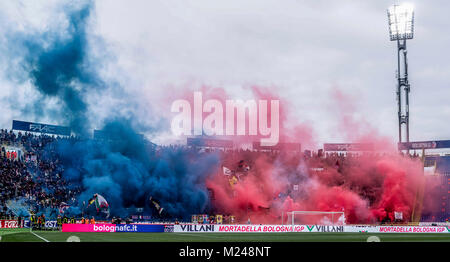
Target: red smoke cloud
(292,129)
(367,188)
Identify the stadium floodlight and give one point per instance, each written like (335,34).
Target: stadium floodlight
(401,22)
(401,28)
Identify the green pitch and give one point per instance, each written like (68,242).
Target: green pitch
(24,235)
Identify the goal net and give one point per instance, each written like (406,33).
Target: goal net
(314,217)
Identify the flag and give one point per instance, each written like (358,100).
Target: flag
(100,203)
(233,181)
(398,215)
(227,171)
(62,207)
(337,165)
(156,205)
(243,166)
(219,219)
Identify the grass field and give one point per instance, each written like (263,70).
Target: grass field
(24,235)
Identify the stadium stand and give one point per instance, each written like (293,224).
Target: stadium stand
(438,183)
(29,172)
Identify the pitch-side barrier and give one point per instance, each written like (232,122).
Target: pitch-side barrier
(310,228)
(215,228)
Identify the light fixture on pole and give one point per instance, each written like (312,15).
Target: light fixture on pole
(401,28)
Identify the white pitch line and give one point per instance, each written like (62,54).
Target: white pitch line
(39,236)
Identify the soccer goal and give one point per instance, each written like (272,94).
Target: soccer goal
(314,217)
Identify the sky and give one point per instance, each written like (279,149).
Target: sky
(303,50)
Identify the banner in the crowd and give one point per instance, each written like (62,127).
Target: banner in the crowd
(295,147)
(112,228)
(348,147)
(202,219)
(219,219)
(398,215)
(12,152)
(208,142)
(140,217)
(424,145)
(30,158)
(41,128)
(107,135)
(8,223)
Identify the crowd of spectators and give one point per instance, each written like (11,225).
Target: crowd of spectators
(331,168)
(32,175)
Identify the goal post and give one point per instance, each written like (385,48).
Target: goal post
(315,217)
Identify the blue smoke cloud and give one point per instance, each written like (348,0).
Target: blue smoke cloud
(19,207)
(58,65)
(126,170)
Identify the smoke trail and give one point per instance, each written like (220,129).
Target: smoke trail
(58,65)
(19,207)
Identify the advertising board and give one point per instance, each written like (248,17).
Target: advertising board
(397,229)
(218,228)
(309,228)
(239,228)
(424,144)
(348,147)
(8,224)
(41,128)
(412,229)
(111,228)
(209,142)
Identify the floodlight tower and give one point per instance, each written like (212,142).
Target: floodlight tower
(401,28)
